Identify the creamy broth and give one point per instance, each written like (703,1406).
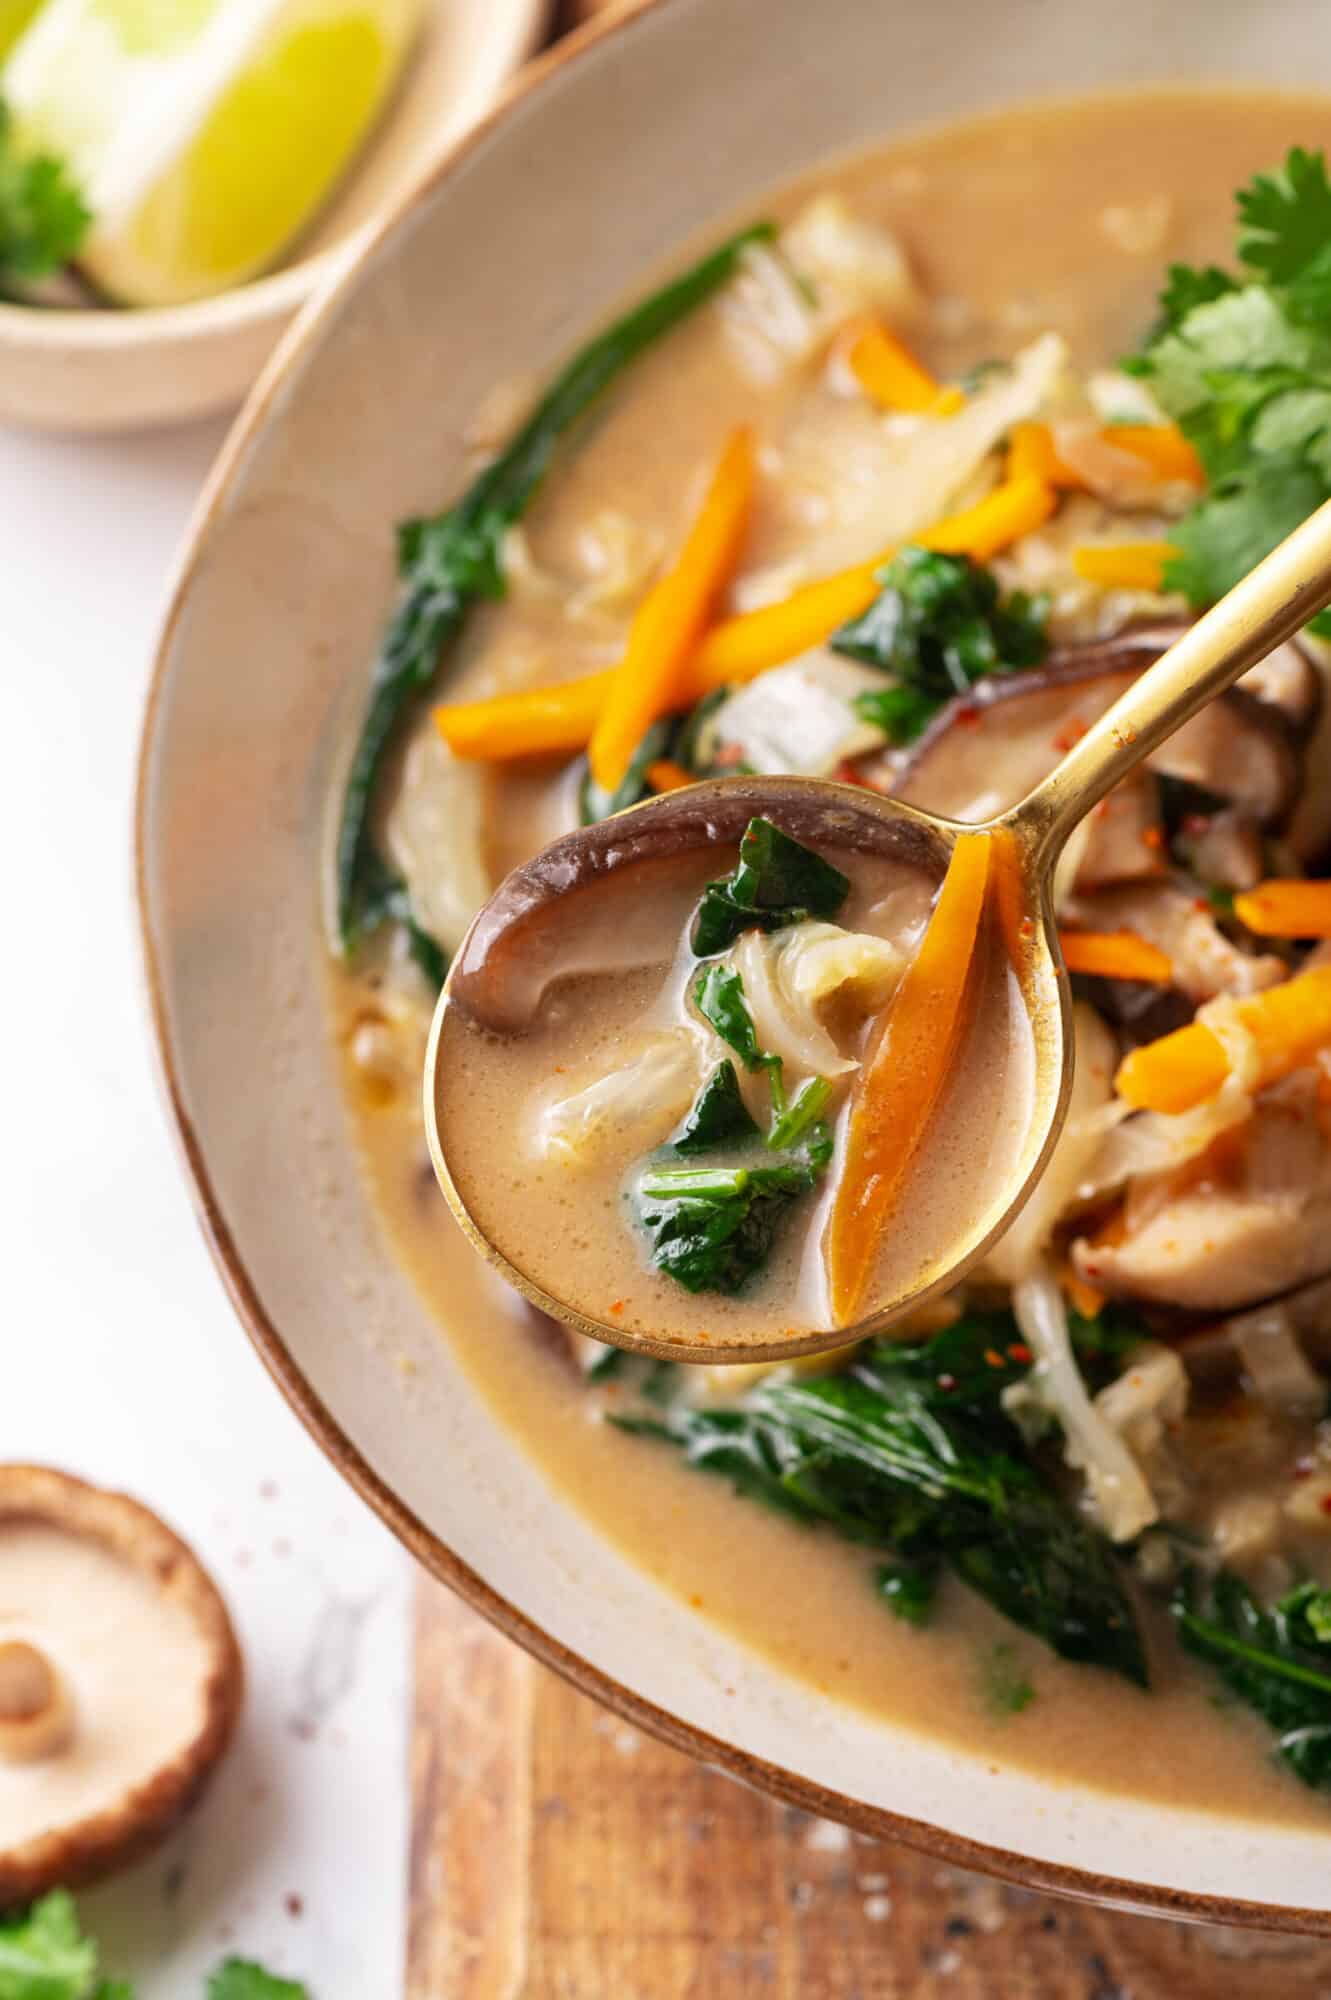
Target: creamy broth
(555,1186)
(1057,218)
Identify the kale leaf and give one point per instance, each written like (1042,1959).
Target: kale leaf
(718,1115)
(43,217)
(452,560)
(911,1452)
(1276,1659)
(718,994)
(776,882)
(711,1228)
(937,626)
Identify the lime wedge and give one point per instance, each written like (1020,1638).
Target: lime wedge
(14,18)
(202,133)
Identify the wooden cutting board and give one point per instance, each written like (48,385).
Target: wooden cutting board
(557,1854)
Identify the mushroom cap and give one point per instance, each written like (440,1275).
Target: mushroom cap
(89,1801)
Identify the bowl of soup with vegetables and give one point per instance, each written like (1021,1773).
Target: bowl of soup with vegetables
(887,454)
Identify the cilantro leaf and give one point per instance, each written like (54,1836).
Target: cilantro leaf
(1187,286)
(44,1954)
(776,882)
(43,219)
(1231,530)
(241,1979)
(937,626)
(1285,217)
(718,1114)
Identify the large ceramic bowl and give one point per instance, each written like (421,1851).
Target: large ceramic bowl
(679,115)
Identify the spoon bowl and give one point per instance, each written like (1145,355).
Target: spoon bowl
(519,940)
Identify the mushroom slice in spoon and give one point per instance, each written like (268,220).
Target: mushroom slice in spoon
(120,1680)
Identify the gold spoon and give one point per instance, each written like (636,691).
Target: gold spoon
(1268,607)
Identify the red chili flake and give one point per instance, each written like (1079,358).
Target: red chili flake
(969,715)
(947,1381)
(1019,1351)
(1152,837)
(1325,1503)
(1200,903)
(849,774)
(617,1306)
(1071,733)
(994,1358)
(1026,927)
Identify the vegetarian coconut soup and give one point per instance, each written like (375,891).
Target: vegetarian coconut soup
(900,484)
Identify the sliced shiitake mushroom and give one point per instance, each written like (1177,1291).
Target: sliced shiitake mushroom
(986,749)
(549,920)
(120,1681)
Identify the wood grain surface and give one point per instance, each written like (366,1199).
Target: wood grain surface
(558,1854)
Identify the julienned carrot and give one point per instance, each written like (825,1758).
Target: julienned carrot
(1032,454)
(889,373)
(1115,955)
(1289,1023)
(1286,909)
(558,719)
(665,775)
(1016,508)
(1161,446)
(540,721)
(903,1076)
(651,680)
(1123,565)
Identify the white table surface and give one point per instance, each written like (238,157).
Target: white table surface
(122,1358)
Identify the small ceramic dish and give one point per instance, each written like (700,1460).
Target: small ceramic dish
(113,369)
(679,116)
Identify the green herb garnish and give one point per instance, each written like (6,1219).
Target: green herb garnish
(1243,365)
(937,626)
(718,994)
(452,560)
(45,1955)
(595,803)
(911,1452)
(1277,1660)
(776,882)
(43,217)
(711,1228)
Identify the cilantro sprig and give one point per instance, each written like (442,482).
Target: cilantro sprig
(46,1955)
(43,217)
(1242,362)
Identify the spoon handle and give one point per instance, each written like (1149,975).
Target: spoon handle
(1271,604)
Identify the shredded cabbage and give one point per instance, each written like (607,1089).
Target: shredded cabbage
(439,812)
(651,1091)
(790,974)
(798,718)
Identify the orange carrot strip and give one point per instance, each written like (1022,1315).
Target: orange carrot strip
(1289,1023)
(650,680)
(1016,508)
(1115,955)
(562,718)
(1123,565)
(888,372)
(903,1076)
(1083,1298)
(665,775)
(542,721)
(1161,446)
(1032,454)
(1286,909)
(738,649)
